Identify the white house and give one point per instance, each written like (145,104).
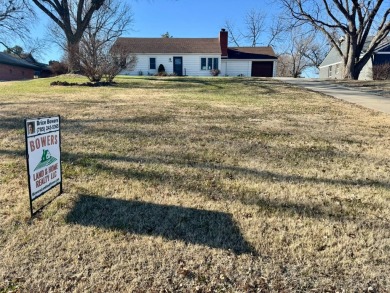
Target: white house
(197,56)
(332,66)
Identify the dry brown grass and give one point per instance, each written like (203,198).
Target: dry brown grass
(184,184)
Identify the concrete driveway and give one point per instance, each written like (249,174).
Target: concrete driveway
(369,99)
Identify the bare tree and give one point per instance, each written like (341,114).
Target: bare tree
(315,50)
(57,67)
(353,19)
(73,28)
(297,49)
(104,63)
(284,66)
(15,17)
(106,25)
(33,48)
(15,50)
(256,30)
(234,36)
(381,71)
(277,30)
(301,45)
(116,62)
(254,26)
(251,33)
(302,50)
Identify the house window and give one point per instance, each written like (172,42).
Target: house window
(337,69)
(203,64)
(208,63)
(330,71)
(152,63)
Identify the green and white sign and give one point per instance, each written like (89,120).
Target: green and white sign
(43,149)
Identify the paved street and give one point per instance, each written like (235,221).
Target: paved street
(369,99)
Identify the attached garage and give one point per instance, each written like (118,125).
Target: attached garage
(251,61)
(262,68)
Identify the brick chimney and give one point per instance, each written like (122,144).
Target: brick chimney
(223,41)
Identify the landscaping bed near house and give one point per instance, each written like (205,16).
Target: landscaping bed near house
(89,84)
(197,185)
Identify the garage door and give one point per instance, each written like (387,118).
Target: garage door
(262,69)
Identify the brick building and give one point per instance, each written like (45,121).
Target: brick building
(15,68)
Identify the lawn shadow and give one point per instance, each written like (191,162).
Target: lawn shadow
(11,123)
(210,228)
(168,83)
(194,82)
(211,183)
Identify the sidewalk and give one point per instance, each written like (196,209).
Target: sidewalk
(369,99)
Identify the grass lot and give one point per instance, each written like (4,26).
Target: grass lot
(198,185)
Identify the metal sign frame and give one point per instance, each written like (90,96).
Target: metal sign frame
(38,132)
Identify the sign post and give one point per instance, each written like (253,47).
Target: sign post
(43,155)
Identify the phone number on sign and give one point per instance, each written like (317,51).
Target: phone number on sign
(46,128)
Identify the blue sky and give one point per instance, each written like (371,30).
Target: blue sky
(181,18)
(189,18)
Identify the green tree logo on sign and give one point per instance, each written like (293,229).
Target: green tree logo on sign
(46,160)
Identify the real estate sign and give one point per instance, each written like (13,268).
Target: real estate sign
(43,152)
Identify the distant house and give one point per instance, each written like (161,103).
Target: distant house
(197,56)
(332,66)
(17,68)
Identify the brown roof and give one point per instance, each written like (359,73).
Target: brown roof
(251,53)
(169,45)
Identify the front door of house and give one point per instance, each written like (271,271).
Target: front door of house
(178,65)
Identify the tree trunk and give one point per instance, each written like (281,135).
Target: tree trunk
(74,56)
(351,71)
(353,64)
